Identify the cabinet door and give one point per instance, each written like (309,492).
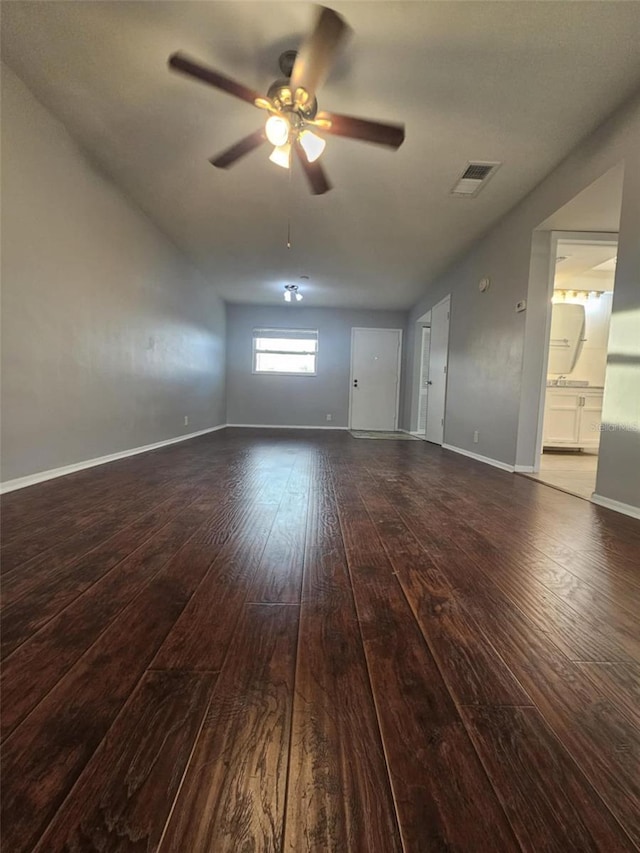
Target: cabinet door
(590,419)
(561,417)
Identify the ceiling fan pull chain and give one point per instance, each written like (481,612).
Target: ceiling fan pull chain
(289,208)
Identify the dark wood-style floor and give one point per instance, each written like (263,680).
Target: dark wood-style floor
(300,641)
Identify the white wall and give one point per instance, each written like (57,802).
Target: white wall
(295,400)
(494,378)
(109,336)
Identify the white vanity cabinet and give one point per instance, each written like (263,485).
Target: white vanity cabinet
(572,417)
(590,417)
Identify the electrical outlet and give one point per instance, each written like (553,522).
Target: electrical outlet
(186,420)
(329,417)
(476,437)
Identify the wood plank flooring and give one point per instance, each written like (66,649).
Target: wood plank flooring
(270,640)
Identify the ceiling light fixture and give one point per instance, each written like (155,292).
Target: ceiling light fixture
(291,292)
(277,130)
(312,145)
(281,132)
(281,155)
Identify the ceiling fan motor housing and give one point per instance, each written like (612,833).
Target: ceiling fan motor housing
(285,100)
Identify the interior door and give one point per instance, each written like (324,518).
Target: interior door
(438,365)
(423,393)
(375,377)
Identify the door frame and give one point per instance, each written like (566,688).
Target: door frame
(414,392)
(423,328)
(355,329)
(445,299)
(589,237)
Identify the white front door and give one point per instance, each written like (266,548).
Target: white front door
(375,378)
(438,365)
(423,392)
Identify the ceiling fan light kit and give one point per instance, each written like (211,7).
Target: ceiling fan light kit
(292,105)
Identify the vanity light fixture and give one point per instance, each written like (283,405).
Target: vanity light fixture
(579,295)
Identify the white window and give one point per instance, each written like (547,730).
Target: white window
(292,351)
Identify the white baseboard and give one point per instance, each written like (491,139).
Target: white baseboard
(283,426)
(617,506)
(52,473)
(524,469)
(486,459)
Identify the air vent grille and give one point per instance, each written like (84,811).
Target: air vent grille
(476,172)
(474,177)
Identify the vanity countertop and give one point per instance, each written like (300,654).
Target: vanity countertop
(576,387)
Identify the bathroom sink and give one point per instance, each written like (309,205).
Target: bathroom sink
(568,383)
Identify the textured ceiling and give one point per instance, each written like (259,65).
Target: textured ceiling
(517,82)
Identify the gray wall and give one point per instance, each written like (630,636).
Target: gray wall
(109,337)
(485,390)
(619,463)
(295,400)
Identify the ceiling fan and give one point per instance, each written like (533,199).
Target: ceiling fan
(294,121)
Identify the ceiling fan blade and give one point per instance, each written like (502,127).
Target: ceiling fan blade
(181,62)
(316,176)
(240,149)
(318,51)
(378,132)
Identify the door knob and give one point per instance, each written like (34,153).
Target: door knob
(429,382)
(355,383)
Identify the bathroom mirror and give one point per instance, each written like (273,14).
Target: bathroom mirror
(567,336)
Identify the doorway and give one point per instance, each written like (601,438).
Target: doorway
(438,367)
(375,379)
(431,369)
(579,320)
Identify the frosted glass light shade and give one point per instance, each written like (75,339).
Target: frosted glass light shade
(277,130)
(281,155)
(312,144)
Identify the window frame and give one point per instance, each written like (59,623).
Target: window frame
(291,334)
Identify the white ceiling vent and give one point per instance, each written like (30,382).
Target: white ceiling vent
(474,177)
